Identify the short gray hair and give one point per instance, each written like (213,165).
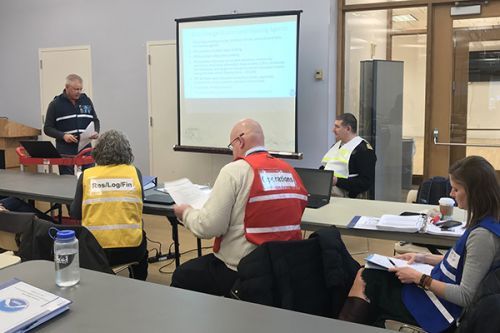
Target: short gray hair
(113,148)
(73,77)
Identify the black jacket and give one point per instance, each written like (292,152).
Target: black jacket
(36,244)
(64,117)
(362,162)
(482,314)
(312,276)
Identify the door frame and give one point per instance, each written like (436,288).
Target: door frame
(150,44)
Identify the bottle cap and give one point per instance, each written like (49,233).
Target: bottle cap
(65,234)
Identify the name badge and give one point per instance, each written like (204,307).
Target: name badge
(453,259)
(112,184)
(277,180)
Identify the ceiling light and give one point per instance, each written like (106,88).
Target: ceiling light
(404,18)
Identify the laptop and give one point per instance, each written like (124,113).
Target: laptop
(158,198)
(319,185)
(40,149)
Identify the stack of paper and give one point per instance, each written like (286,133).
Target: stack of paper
(377,261)
(412,223)
(435,230)
(24,307)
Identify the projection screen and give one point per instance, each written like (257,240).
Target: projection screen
(233,67)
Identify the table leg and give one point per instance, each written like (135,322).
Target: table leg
(175,237)
(198,244)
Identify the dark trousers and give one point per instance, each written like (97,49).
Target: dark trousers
(118,256)
(17,205)
(206,274)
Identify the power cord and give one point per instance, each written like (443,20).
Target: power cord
(159,256)
(161,269)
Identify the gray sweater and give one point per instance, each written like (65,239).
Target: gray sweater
(482,250)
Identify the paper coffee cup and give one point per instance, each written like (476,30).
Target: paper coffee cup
(446,207)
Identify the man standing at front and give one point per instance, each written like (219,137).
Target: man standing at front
(351,158)
(255,199)
(67,116)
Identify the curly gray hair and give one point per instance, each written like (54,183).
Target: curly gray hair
(113,148)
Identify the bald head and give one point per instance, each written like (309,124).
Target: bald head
(250,135)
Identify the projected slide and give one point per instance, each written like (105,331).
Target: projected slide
(238,66)
(254,60)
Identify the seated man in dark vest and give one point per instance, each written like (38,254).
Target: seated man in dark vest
(255,199)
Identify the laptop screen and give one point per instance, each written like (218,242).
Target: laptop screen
(40,149)
(317,182)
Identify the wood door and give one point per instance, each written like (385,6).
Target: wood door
(55,65)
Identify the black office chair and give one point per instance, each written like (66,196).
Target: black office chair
(12,225)
(36,244)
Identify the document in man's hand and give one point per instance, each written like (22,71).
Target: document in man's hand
(185,192)
(377,261)
(85,136)
(24,307)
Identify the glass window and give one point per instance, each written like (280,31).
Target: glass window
(476,107)
(397,34)
(363,2)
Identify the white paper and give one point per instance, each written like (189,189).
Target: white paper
(377,261)
(21,303)
(185,192)
(366,222)
(401,223)
(435,230)
(85,136)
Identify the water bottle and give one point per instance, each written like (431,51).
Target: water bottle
(66,258)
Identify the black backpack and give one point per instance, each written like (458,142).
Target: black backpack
(431,190)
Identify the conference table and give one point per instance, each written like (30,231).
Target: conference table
(108,303)
(340,212)
(50,187)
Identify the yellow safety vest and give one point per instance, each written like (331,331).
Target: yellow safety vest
(112,205)
(337,158)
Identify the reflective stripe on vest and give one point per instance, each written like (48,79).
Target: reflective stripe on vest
(114,227)
(112,205)
(435,314)
(117,199)
(275,203)
(272,229)
(337,158)
(278,197)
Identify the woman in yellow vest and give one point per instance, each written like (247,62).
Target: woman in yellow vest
(108,201)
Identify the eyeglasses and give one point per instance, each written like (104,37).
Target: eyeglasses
(230,145)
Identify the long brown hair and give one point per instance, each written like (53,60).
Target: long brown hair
(479,179)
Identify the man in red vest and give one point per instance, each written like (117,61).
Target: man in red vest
(255,199)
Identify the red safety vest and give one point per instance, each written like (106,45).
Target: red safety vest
(276,201)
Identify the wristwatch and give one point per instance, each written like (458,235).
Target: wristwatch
(425,282)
